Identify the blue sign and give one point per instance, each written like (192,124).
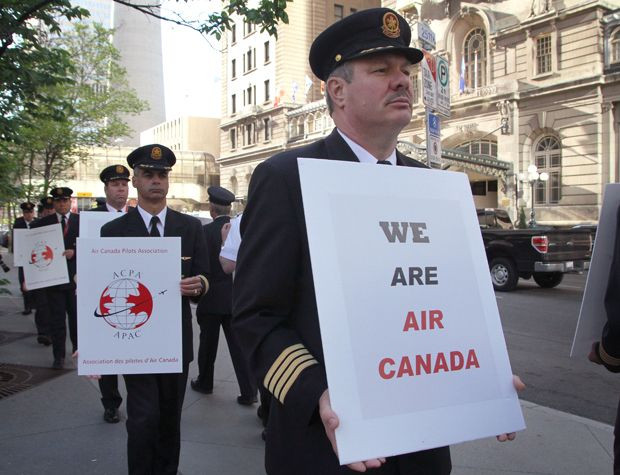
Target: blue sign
(434,125)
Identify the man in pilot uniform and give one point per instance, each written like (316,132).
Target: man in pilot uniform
(155,401)
(62,298)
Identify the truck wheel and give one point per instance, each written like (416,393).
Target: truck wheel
(503,274)
(548,280)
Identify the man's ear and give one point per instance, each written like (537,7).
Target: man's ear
(335,87)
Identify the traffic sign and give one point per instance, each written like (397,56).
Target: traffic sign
(426,36)
(443,87)
(433,139)
(429,80)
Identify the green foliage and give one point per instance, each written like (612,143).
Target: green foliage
(266,16)
(73,115)
(4,291)
(522,222)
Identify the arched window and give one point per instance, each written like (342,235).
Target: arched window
(480,147)
(548,158)
(475,58)
(615,47)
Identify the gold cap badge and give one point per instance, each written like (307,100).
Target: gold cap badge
(338,57)
(156,153)
(120,169)
(391,27)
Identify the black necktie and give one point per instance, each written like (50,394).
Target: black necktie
(154,230)
(63,222)
(383,162)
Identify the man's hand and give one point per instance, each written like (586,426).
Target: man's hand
(75,356)
(191,286)
(225,231)
(519,386)
(593,355)
(69,253)
(330,422)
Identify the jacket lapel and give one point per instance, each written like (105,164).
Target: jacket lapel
(405,161)
(173,226)
(337,148)
(135,224)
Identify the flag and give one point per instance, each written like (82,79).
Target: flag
(308,86)
(462,76)
(294,88)
(278,98)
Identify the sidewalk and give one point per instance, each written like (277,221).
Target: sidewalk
(57,426)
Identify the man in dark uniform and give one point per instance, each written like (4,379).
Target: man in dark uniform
(366,62)
(607,350)
(215,308)
(62,298)
(155,401)
(24,222)
(115,180)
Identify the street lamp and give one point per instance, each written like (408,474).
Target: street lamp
(533,177)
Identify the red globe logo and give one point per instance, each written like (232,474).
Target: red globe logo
(125,304)
(42,255)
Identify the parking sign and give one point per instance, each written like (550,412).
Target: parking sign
(443,87)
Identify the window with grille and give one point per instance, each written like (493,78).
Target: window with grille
(233,68)
(475,58)
(233,104)
(233,33)
(267,129)
(548,158)
(543,54)
(267,94)
(266,52)
(233,138)
(479,147)
(338,12)
(615,47)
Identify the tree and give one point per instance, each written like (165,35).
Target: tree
(72,116)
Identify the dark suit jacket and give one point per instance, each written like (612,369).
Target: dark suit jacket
(193,251)
(218,301)
(609,349)
(70,238)
(274,308)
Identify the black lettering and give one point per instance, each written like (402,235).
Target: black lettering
(417,228)
(431,276)
(415,273)
(396,232)
(399,277)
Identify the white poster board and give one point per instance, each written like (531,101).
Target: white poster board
(91,222)
(129,310)
(21,252)
(44,265)
(592,316)
(413,344)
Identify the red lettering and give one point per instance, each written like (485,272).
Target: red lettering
(411,322)
(440,363)
(405,368)
(456,360)
(423,363)
(472,360)
(436,316)
(382,372)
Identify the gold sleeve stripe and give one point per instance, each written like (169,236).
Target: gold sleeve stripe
(290,358)
(206,282)
(610,360)
(286,375)
(278,361)
(293,378)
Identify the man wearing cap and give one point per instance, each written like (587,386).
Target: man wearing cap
(155,401)
(24,222)
(115,180)
(366,62)
(215,308)
(62,298)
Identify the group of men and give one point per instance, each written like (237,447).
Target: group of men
(269,312)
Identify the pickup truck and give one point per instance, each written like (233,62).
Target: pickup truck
(545,253)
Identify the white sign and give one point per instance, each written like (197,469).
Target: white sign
(426,36)
(129,311)
(413,344)
(429,83)
(44,265)
(433,138)
(21,253)
(593,315)
(91,222)
(443,87)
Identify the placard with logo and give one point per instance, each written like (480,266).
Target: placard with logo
(413,344)
(129,309)
(40,253)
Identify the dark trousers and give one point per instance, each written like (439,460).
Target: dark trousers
(42,311)
(62,302)
(617,442)
(29,302)
(154,404)
(209,339)
(110,397)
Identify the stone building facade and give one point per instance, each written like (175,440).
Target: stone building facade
(532,83)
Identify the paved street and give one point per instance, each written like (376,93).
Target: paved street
(539,325)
